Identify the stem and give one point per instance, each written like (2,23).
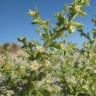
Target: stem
(30,92)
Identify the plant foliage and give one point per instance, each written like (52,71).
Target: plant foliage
(56,67)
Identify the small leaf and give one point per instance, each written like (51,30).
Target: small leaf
(36,21)
(82,13)
(85,2)
(57,45)
(78,25)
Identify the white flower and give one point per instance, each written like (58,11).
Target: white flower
(35,66)
(95,71)
(40,49)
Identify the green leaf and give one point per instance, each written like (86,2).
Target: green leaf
(57,45)
(78,25)
(37,21)
(82,13)
(60,18)
(85,2)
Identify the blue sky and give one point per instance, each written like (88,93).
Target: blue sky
(14,21)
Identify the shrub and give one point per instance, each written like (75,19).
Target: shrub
(56,67)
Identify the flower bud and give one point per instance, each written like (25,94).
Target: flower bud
(40,49)
(35,66)
(33,13)
(71,29)
(77,8)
